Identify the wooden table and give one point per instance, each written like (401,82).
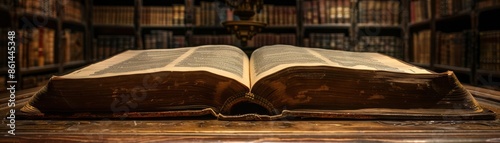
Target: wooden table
(255,131)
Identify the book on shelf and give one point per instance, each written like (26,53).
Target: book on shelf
(327,11)
(38,7)
(113,15)
(198,40)
(379,12)
(73,10)
(263,39)
(421,47)
(487,3)
(72,45)
(452,7)
(211,14)
(489,49)
(388,45)
(420,10)
(276,82)
(36,47)
(108,45)
(454,49)
(163,15)
(336,41)
(276,15)
(161,39)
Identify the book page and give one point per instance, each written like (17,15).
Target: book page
(270,59)
(224,60)
(366,61)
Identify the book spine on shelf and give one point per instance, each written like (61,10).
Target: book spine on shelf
(489,50)
(420,10)
(106,45)
(376,12)
(388,45)
(116,15)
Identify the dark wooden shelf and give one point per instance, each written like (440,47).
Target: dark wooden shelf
(34,70)
(452,68)
(27,14)
(328,26)
(280,27)
(365,25)
(420,23)
(163,27)
(73,64)
(119,26)
(490,8)
(463,14)
(488,72)
(73,22)
(208,27)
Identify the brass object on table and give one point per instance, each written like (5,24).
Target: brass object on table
(245,28)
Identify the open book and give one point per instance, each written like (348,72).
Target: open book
(278,81)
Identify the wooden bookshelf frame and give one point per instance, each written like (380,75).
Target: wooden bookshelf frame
(56,23)
(473,71)
(352,29)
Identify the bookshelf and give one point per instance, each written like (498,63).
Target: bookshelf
(40,38)
(456,32)
(354,25)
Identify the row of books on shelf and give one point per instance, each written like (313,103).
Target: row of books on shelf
(161,39)
(487,3)
(336,41)
(454,49)
(210,14)
(39,7)
(327,11)
(388,45)
(452,7)
(109,45)
(275,15)
(72,45)
(113,15)
(73,10)
(385,12)
(164,16)
(264,39)
(489,51)
(420,10)
(36,47)
(421,47)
